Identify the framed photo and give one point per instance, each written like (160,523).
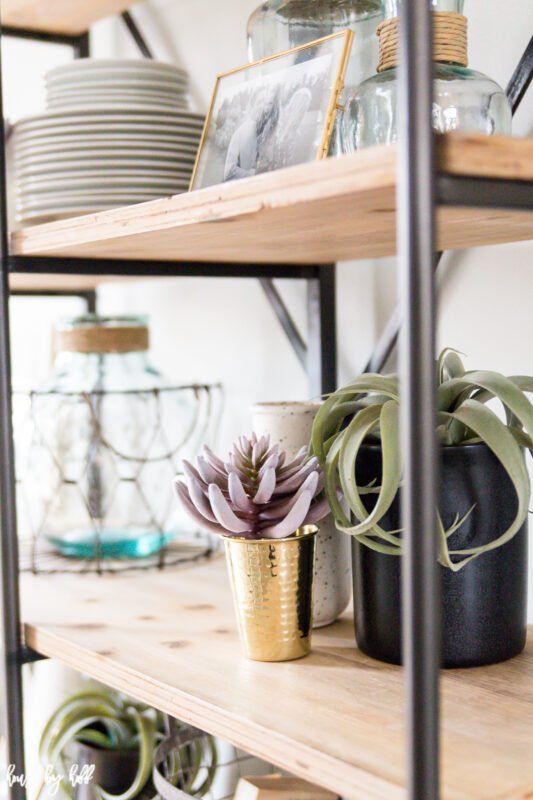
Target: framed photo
(275,113)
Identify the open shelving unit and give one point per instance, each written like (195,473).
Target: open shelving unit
(337,717)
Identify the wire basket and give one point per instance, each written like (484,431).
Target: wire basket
(190,763)
(94,485)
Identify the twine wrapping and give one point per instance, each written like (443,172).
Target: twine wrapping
(450,39)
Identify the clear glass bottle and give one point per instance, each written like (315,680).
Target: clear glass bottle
(465,100)
(102,443)
(278,25)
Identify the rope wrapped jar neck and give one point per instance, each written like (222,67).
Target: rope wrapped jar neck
(450,40)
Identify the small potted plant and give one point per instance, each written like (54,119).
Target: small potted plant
(106,733)
(101,744)
(482,521)
(265,509)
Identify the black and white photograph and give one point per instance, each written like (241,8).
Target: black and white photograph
(272,114)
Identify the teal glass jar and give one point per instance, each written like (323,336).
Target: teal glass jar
(278,25)
(103,440)
(464,100)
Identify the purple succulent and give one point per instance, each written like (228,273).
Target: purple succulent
(255,494)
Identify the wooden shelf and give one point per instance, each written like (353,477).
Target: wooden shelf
(70,17)
(333,210)
(169,639)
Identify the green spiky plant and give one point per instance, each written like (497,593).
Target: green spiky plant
(107,720)
(367,411)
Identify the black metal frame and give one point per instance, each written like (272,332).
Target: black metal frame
(419,188)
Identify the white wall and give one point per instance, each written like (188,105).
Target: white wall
(224,329)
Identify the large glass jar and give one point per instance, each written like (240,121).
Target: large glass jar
(278,25)
(465,100)
(104,437)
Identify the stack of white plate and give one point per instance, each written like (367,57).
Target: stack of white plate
(115,132)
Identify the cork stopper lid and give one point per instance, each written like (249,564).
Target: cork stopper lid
(103,336)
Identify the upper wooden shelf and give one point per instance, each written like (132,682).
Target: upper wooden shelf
(336,718)
(327,211)
(69,17)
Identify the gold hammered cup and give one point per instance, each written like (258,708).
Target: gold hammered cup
(272,584)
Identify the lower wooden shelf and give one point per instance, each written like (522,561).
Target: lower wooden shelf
(336,718)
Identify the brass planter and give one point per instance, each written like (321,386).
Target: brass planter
(272,584)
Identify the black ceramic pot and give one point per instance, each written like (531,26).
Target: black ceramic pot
(114,770)
(484,605)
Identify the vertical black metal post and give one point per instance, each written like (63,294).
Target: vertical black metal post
(80,45)
(11,646)
(416,250)
(322,332)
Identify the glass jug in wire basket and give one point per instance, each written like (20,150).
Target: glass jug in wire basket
(99,446)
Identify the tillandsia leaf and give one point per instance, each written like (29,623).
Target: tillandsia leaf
(368,523)
(89,699)
(146,734)
(459,522)
(522,439)
(449,365)
(500,387)
(496,436)
(255,493)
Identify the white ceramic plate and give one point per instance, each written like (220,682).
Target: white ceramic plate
(97,182)
(178,102)
(127,92)
(132,81)
(141,84)
(61,162)
(127,111)
(173,151)
(160,83)
(113,135)
(117,66)
(64,198)
(88,177)
(186,135)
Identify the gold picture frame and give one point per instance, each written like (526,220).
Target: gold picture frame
(269,96)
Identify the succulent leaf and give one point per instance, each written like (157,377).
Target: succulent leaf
(223,512)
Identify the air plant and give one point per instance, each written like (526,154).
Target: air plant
(108,720)
(367,410)
(255,494)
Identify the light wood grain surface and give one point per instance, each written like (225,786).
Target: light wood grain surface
(333,210)
(59,16)
(335,718)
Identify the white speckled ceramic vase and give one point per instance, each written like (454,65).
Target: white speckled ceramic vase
(291,424)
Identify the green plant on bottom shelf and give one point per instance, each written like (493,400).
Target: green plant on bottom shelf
(367,411)
(110,721)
